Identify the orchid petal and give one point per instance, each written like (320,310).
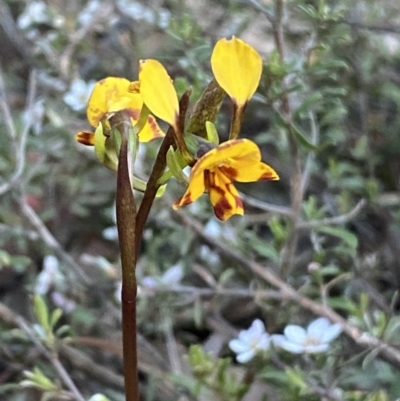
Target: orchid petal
(224,196)
(85,138)
(111,95)
(237,68)
(158,92)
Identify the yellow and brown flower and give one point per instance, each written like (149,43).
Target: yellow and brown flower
(234,160)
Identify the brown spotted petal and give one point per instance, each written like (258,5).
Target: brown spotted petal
(224,196)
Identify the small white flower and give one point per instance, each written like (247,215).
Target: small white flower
(78,94)
(314,339)
(250,341)
(171,277)
(35,13)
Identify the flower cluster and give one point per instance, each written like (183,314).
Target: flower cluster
(296,340)
(237,69)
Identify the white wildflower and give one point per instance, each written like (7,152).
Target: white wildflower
(250,341)
(316,338)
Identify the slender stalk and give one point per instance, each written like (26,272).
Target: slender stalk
(158,170)
(236,122)
(296,177)
(126,222)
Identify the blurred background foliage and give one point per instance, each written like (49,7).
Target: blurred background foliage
(57,230)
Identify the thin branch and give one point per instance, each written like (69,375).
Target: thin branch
(267,207)
(337,220)
(211,292)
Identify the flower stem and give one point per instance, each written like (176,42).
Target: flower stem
(158,170)
(236,123)
(126,222)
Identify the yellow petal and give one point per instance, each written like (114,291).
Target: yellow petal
(85,138)
(237,68)
(195,189)
(248,171)
(109,95)
(237,149)
(158,92)
(224,196)
(150,131)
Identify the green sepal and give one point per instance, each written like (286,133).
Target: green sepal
(212,133)
(176,163)
(206,109)
(106,153)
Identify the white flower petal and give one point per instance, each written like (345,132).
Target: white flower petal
(295,334)
(313,349)
(238,346)
(245,356)
(278,339)
(264,342)
(257,328)
(331,333)
(292,347)
(317,327)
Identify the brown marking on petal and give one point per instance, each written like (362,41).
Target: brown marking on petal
(102,81)
(223,209)
(229,171)
(85,138)
(186,200)
(154,127)
(271,176)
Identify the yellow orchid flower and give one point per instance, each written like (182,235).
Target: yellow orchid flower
(237,67)
(234,160)
(114,94)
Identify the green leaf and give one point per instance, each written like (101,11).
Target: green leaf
(41,312)
(349,238)
(308,104)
